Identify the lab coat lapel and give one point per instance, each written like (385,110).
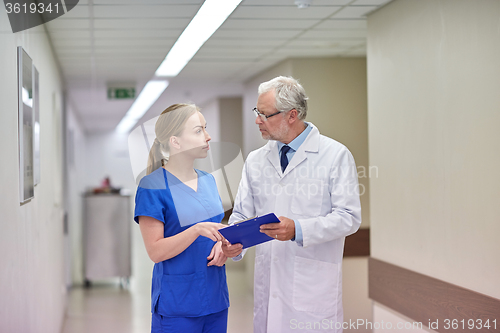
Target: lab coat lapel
(273,156)
(311,144)
(299,156)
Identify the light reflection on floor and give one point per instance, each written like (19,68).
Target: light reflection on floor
(105,307)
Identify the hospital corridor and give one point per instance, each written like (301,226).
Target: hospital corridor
(265,166)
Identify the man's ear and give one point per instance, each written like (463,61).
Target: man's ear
(293,116)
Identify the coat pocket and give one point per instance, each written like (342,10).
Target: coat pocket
(183,295)
(315,285)
(307,197)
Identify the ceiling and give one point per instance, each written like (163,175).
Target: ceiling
(101,42)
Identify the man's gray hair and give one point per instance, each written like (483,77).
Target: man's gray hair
(289,94)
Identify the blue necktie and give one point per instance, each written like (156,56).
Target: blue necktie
(284,159)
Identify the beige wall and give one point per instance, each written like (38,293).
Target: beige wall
(231,120)
(32,282)
(433,83)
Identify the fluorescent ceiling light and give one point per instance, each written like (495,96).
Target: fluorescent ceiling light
(208,19)
(146,98)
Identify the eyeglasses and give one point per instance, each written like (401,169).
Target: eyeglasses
(263,117)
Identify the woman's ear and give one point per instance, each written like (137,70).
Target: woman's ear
(174,142)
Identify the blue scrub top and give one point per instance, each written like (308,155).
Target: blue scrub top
(184,286)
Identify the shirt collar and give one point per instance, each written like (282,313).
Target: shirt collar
(295,144)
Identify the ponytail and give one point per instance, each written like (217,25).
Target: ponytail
(156,157)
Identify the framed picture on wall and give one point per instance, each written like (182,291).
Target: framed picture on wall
(36,127)
(25,132)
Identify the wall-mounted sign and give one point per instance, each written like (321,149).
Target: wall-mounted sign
(121,93)
(25,113)
(36,127)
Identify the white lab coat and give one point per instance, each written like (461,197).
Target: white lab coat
(299,288)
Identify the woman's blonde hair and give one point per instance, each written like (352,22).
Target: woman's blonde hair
(170,123)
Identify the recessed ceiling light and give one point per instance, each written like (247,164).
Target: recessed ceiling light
(301,4)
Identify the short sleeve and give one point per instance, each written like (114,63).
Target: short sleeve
(148,203)
(149,199)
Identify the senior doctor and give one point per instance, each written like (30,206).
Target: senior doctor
(310,182)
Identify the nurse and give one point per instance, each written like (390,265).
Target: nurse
(179,211)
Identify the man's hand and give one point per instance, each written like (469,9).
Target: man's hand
(283,231)
(217,257)
(231,250)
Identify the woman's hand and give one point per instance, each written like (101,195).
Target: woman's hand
(231,250)
(209,230)
(217,257)
(160,248)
